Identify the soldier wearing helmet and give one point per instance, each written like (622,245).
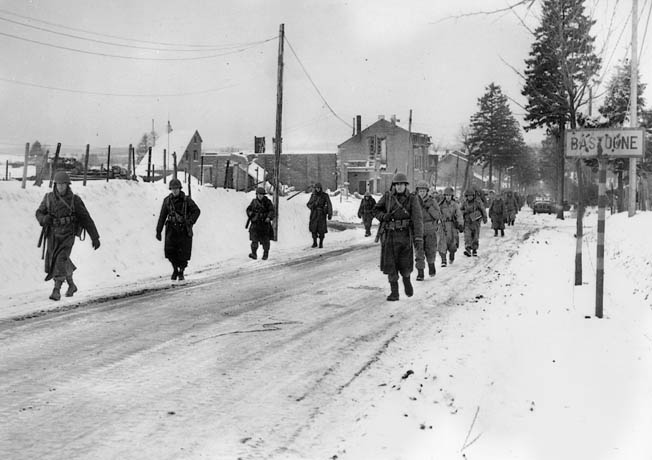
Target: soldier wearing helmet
(63,215)
(511,206)
(366,212)
(320,209)
(260,214)
(431,222)
(451,222)
(178,215)
(401,227)
(473,211)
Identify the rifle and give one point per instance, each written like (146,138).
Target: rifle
(248,222)
(300,191)
(381,226)
(41,240)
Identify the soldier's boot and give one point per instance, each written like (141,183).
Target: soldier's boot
(467,252)
(394,294)
(502,232)
(431,269)
(175,273)
(254,249)
(72,287)
(451,258)
(181,276)
(321,241)
(409,290)
(420,275)
(443,259)
(56,292)
(367,232)
(475,253)
(265,253)
(314,242)
(495,232)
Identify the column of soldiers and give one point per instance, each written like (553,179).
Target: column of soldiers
(415,226)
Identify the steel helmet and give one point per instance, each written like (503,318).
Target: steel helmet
(61,177)
(367,193)
(422,184)
(449,191)
(175,183)
(260,191)
(400,178)
(469,192)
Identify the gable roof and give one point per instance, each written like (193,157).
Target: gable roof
(179,141)
(381,124)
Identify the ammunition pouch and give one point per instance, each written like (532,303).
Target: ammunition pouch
(61,221)
(398,225)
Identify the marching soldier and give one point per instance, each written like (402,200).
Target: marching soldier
(178,214)
(431,221)
(401,225)
(451,222)
(320,208)
(260,213)
(63,215)
(497,214)
(473,211)
(511,207)
(366,212)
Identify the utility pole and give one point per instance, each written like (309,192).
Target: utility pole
(409,167)
(633,102)
(279,116)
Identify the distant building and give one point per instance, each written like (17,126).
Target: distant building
(188,148)
(369,159)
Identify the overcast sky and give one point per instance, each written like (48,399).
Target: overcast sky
(370,58)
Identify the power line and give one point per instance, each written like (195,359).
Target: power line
(77,37)
(315,86)
(647,23)
(79,91)
(138,58)
(105,35)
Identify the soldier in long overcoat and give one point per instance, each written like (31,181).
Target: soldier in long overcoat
(401,226)
(366,212)
(260,214)
(473,211)
(431,221)
(178,214)
(451,222)
(320,209)
(498,215)
(511,206)
(63,215)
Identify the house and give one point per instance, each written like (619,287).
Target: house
(369,159)
(187,146)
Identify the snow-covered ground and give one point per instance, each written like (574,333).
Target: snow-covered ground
(523,371)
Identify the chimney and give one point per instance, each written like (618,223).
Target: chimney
(358,123)
(393,119)
(381,117)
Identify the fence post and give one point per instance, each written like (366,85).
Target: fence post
(25,166)
(85,162)
(108,163)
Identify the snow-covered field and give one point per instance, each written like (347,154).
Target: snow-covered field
(523,371)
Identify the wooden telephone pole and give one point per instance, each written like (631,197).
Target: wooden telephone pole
(633,102)
(279,116)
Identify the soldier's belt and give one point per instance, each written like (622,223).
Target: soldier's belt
(60,221)
(402,224)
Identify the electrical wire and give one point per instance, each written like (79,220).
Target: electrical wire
(647,23)
(195,58)
(105,35)
(95,93)
(77,37)
(315,86)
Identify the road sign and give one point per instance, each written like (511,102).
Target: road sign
(612,143)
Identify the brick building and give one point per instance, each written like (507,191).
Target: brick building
(369,159)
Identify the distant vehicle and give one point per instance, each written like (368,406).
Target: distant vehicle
(543,206)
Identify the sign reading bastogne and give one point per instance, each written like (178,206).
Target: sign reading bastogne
(591,143)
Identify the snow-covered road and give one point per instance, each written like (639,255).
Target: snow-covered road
(303,358)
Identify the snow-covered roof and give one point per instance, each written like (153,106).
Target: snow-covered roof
(178,141)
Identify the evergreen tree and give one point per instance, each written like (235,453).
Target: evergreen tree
(616,107)
(495,133)
(559,71)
